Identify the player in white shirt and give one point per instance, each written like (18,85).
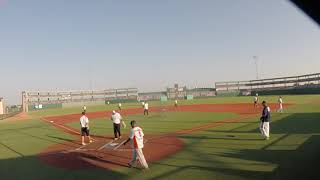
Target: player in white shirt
(84,122)
(146,108)
(280,104)
(84,108)
(176,103)
(142,104)
(119,106)
(136,137)
(255,101)
(116,120)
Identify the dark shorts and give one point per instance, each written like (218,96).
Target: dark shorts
(255,102)
(116,130)
(85,131)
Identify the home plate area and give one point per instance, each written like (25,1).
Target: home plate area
(101,145)
(106,153)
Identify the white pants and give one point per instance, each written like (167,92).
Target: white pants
(137,154)
(280,108)
(264,129)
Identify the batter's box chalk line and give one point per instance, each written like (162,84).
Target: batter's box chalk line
(111,145)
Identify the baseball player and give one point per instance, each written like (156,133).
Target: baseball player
(146,108)
(84,122)
(136,137)
(255,101)
(176,103)
(116,120)
(142,104)
(280,104)
(84,108)
(265,120)
(119,106)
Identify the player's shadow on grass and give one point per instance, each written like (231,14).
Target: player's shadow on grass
(60,138)
(294,160)
(205,169)
(49,139)
(9,130)
(31,168)
(300,163)
(297,123)
(221,137)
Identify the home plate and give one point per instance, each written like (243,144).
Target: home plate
(112,145)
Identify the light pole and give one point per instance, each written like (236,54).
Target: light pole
(255,58)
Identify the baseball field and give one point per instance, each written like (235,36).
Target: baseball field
(216,138)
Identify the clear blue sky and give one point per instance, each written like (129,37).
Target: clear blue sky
(55,44)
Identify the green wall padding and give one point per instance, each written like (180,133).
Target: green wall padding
(189,97)
(45,106)
(288,91)
(116,101)
(163,98)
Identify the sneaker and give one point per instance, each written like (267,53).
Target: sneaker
(83,144)
(266,138)
(91,141)
(115,139)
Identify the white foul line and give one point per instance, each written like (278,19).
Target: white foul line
(64,127)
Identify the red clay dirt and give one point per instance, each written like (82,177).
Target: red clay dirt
(71,155)
(67,156)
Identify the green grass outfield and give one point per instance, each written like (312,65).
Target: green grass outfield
(231,151)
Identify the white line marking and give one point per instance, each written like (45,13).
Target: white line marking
(63,127)
(105,145)
(119,145)
(78,150)
(66,128)
(80,147)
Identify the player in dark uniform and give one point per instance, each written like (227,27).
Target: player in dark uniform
(265,120)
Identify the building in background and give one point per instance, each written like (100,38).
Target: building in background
(304,84)
(150,96)
(34,100)
(177,92)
